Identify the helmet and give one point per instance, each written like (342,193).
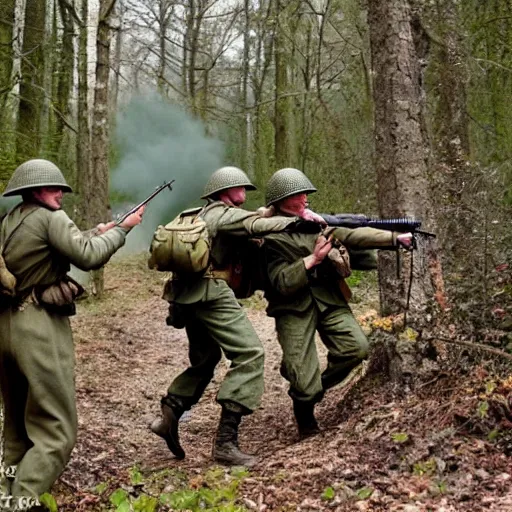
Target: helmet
(224,178)
(285,183)
(35,173)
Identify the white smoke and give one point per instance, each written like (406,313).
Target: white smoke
(159,142)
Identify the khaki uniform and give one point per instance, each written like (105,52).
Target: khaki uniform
(215,322)
(36,346)
(304,302)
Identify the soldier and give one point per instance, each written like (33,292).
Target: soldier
(306,294)
(215,323)
(38,242)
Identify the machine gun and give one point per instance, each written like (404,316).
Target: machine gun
(400,225)
(157,191)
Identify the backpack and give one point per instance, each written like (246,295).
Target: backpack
(182,245)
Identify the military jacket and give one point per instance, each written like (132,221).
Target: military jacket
(289,287)
(47,242)
(227,227)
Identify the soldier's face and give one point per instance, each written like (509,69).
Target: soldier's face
(234,196)
(49,196)
(294,205)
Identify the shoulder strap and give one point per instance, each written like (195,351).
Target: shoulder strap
(205,208)
(5,240)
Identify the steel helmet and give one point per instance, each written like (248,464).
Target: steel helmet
(224,178)
(35,173)
(285,183)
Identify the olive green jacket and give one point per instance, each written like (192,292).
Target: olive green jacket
(227,226)
(289,287)
(46,242)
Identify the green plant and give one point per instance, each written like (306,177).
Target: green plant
(427,467)
(400,437)
(136,477)
(364,493)
(328,494)
(483,408)
(49,502)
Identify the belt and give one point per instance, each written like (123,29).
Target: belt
(209,273)
(17,302)
(217,274)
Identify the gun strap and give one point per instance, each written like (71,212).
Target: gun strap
(409,290)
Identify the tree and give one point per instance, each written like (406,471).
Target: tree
(284,122)
(96,190)
(32,81)
(6,50)
(64,82)
(83,138)
(401,151)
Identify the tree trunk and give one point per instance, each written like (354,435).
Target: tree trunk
(260,68)
(192,34)
(245,151)
(65,69)
(285,153)
(6,51)
(28,141)
(99,173)
(162,43)
(83,139)
(116,65)
(401,155)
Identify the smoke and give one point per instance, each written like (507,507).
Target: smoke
(159,142)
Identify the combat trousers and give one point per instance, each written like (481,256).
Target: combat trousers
(213,327)
(341,334)
(37,383)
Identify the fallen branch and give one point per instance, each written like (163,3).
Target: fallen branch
(473,345)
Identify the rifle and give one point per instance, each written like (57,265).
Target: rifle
(400,225)
(157,191)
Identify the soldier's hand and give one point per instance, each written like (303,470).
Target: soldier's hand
(312,216)
(102,228)
(405,240)
(133,220)
(322,247)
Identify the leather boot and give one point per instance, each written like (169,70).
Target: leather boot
(305,417)
(166,427)
(225,449)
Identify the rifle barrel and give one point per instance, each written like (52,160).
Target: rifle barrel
(157,191)
(349,220)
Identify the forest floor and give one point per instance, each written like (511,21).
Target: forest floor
(439,448)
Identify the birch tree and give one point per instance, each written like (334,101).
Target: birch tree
(6,50)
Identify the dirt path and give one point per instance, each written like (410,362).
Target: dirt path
(127,356)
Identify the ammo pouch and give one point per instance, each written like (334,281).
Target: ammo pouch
(338,256)
(59,298)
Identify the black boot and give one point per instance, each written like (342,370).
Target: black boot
(305,417)
(225,449)
(166,427)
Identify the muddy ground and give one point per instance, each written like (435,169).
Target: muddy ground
(380,450)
